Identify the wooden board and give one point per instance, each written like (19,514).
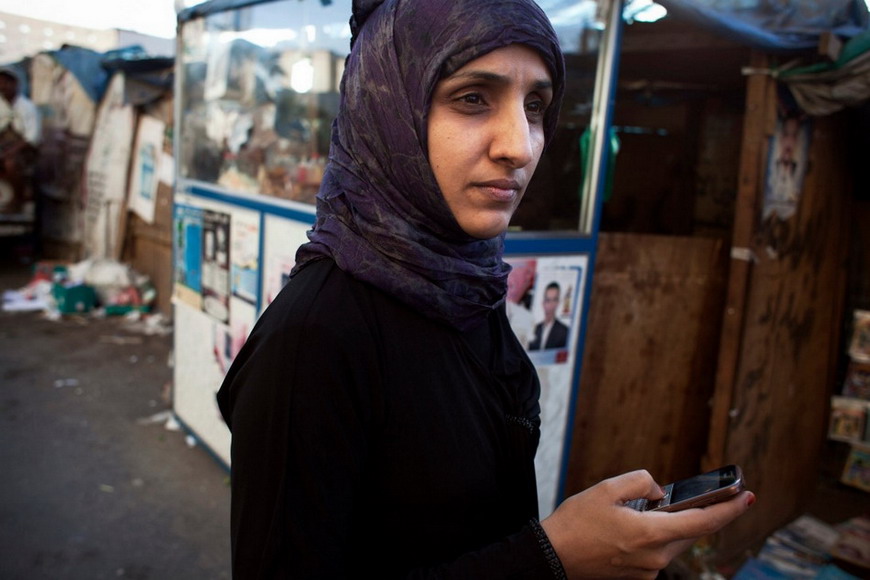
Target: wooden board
(148,247)
(760,94)
(647,373)
(789,346)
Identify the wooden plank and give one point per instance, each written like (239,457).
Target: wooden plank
(789,345)
(673,34)
(649,359)
(760,89)
(716,172)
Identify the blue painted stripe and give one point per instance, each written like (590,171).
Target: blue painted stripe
(274,206)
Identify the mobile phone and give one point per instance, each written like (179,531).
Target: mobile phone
(698,491)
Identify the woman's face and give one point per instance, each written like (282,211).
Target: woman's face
(486,135)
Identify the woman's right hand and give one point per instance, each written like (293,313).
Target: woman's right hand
(596,536)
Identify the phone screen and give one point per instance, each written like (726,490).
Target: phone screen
(704,483)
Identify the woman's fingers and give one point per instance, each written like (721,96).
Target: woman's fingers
(633,485)
(698,522)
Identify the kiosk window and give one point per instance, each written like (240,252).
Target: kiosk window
(259,89)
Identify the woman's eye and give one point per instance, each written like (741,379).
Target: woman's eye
(471,99)
(536,108)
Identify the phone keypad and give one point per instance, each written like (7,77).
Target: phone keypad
(642,504)
(637,504)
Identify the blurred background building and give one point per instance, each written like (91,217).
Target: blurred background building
(21,36)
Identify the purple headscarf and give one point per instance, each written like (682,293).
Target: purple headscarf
(380,213)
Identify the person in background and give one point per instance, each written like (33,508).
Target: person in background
(384,416)
(20,133)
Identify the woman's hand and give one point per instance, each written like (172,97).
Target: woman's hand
(596,536)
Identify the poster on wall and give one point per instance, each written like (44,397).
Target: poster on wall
(216,264)
(554,306)
(544,299)
(521,282)
(281,239)
(229,338)
(786,166)
(544,306)
(147,158)
(200,349)
(857,382)
(859,345)
(221,252)
(207,348)
(244,256)
(856,471)
(187,253)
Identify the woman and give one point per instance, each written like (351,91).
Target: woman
(384,416)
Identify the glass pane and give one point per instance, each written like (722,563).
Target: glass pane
(552,201)
(259,92)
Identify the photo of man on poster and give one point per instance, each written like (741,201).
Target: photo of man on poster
(550,333)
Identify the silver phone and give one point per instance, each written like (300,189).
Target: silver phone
(698,491)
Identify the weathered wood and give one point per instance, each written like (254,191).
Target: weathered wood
(716,176)
(782,381)
(148,247)
(765,352)
(649,358)
(760,89)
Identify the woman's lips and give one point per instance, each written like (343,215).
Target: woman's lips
(501,189)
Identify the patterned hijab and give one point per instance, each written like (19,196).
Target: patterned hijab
(380,213)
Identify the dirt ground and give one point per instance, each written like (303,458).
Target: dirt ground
(93,485)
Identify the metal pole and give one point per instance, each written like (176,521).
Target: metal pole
(605,84)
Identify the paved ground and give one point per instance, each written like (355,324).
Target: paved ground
(86,489)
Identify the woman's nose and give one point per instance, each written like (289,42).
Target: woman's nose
(512,138)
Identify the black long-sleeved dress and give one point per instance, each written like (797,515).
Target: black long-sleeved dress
(368,439)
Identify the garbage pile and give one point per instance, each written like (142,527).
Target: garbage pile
(98,287)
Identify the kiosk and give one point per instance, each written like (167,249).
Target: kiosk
(257,88)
